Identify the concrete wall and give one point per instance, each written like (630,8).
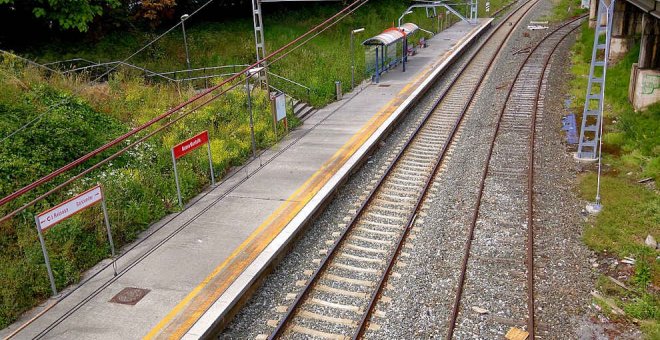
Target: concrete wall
(636,19)
(644,87)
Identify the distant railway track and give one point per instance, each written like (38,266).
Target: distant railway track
(341,295)
(504,207)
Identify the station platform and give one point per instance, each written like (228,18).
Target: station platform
(197,264)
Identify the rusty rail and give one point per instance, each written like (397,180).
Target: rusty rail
(531,327)
(362,324)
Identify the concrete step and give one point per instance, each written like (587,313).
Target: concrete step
(302,109)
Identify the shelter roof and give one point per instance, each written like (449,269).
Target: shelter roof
(409,28)
(388,37)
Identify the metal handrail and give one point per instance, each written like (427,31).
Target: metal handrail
(206,68)
(147,72)
(71,60)
(30,61)
(172,75)
(307,89)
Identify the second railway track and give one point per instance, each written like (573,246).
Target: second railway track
(504,210)
(340,297)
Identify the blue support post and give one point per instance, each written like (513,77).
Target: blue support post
(404,56)
(377,74)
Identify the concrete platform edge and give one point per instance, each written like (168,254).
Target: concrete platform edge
(216,314)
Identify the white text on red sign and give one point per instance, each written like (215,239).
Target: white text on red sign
(191,144)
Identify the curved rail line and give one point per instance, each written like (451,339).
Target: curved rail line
(516,125)
(342,293)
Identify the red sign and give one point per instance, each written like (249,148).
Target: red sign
(69,207)
(191,144)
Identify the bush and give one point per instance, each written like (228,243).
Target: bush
(139,185)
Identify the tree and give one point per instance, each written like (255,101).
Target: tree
(68,14)
(155,11)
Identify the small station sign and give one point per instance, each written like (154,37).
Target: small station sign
(191,144)
(185,148)
(66,209)
(69,208)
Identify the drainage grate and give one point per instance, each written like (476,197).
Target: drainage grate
(384,85)
(130,296)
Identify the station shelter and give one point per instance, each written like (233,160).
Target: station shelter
(388,49)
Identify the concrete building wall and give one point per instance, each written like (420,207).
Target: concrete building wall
(644,87)
(631,20)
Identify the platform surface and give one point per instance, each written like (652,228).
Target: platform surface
(200,260)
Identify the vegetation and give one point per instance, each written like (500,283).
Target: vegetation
(68,118)
(317,65)
(565,9)
(139,185)
(68,14)
(631,151)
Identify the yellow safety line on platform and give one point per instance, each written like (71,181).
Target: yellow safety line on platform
(179,320)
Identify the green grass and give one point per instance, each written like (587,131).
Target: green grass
(139,185)
(631,211)
(317,65)
(565,9)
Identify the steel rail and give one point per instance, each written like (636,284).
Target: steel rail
(530,235)
(168,113)
(281,326)
(383,280)
(149,251)
(123,271)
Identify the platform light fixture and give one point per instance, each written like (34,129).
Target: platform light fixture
(353,33)
(409,11)
(185,41)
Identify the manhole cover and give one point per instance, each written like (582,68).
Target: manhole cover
(384,85)
(130,296)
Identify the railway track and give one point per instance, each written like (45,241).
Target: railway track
(501,233)
(341,295)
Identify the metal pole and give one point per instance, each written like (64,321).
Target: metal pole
(176,179)
(107,227)
(43,249)
(353,32)
(377,62)
(404,57)
(185,41)
(249,99)
(208,144)
(352,63)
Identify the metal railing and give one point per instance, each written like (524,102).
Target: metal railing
(30,62)
(202,73)
(307,90)
(70,61)
(177,76)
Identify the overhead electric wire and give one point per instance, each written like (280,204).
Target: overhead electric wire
(79,161)
(116,154)
(315,35)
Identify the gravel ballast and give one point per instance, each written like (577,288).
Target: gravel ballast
(422,291)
